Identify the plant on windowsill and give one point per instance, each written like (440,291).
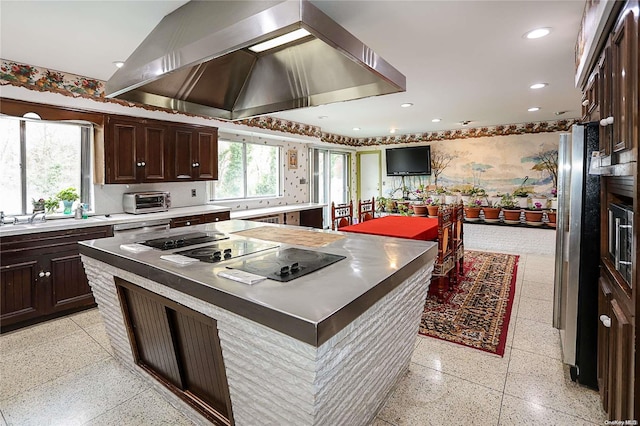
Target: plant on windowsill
(67,196)
(491,210)
(38,205)
(51,204)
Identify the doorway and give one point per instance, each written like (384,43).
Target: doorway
(330,179)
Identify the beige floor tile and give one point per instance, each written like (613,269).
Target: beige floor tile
(76,398)
(146,408)
(538,261)
(99,334)
(537,290)
(28,337)
(379,422)
(544,381)
(463,362)
(23,370)
(87,318)
(429,397)
(516,411)
(536,310)
(539,275)
(2,421)
(512,326)
(536,337)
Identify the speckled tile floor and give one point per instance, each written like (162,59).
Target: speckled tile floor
(62,373)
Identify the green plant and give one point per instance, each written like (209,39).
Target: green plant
(432,201)
(522,191)
(51,204)
(474,202)
(68,194)
(508,202)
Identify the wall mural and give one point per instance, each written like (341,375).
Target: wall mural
(496,164)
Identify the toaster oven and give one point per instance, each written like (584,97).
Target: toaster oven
(146,202)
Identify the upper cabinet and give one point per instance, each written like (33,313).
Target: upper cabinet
(195,153)
(135,150)
(618,94)
(139,150)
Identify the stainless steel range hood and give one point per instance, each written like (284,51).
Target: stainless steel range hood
(197,60)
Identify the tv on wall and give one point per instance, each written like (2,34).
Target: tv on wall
(409,161)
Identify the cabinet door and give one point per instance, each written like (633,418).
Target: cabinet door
(186,221)
(604,312)
(18,295)
(605,100)
(216,217)
(622,55)
(69,285)
(207,154)
(311,218)
(183,157)
(152,153)
(121,145)
(620,365)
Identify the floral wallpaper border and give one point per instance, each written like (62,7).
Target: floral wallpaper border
(43,79)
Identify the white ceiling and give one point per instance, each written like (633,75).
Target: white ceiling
(464,60)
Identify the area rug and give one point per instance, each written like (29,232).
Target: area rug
(477,312)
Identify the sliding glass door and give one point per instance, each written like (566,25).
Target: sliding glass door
(330,178)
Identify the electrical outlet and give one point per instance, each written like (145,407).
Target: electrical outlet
(193,192)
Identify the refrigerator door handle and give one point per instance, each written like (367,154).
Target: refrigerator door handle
(606,321)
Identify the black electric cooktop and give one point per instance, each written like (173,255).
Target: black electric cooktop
(184,240)
(286,265)
(224,250)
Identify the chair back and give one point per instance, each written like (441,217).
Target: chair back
(366,209)
(341,215)
(445,260)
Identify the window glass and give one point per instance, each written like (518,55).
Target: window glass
(40,158)
(247,170)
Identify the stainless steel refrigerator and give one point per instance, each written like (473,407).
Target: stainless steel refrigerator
(575,311)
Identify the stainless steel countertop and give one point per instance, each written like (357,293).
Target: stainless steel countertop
(312,308)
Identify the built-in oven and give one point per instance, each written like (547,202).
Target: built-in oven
(621,239)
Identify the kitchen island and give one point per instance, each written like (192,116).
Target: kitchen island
(324,348)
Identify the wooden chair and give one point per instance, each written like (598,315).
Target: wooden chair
(341,215)
(445,260)
(458,238)
(366,209)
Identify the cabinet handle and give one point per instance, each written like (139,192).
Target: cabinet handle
(41,274)
(197,164)
(585,102)
(47,274)
(139,164)
(193,164)
(143,164)
(610,120)
(606,321)
(188,223)
(217,219)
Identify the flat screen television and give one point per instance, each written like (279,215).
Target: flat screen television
(409,161)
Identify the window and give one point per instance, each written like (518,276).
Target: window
(247,170)
(40,158)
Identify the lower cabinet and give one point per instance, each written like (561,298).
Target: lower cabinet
(180,348)
(41,275)
(198,219)
(615,354)
(312,218)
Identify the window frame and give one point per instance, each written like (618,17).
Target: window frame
(279,189)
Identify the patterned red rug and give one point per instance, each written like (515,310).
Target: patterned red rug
(477,312)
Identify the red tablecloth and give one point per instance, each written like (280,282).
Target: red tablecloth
(415,228)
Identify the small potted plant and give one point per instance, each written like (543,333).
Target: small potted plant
(533,215)
(381,203)
(432,206)
(521,194)
(551,217)
(510,209)
(472,209)
(51,204)
(38,205)
(67,196)
(491,210)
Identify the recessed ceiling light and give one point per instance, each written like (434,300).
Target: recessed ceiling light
(537,33)
(465,122)
(392,131)
(538,85)
(406,105)
(356,128)
(533,109)
(436,120)
(118,64)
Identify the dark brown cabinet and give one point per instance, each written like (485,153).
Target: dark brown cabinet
(195,153)
(312,218)
(135,150)
(180,348)
(198,219)
(42,275)
(139,150)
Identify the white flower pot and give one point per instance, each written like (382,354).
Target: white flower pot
(554,203)
(542,201)
(450,199)
(523,202)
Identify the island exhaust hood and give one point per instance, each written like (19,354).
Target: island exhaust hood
(202,59)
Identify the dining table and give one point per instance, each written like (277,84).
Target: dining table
(412,227)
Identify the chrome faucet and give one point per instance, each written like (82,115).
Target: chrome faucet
(36,213)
